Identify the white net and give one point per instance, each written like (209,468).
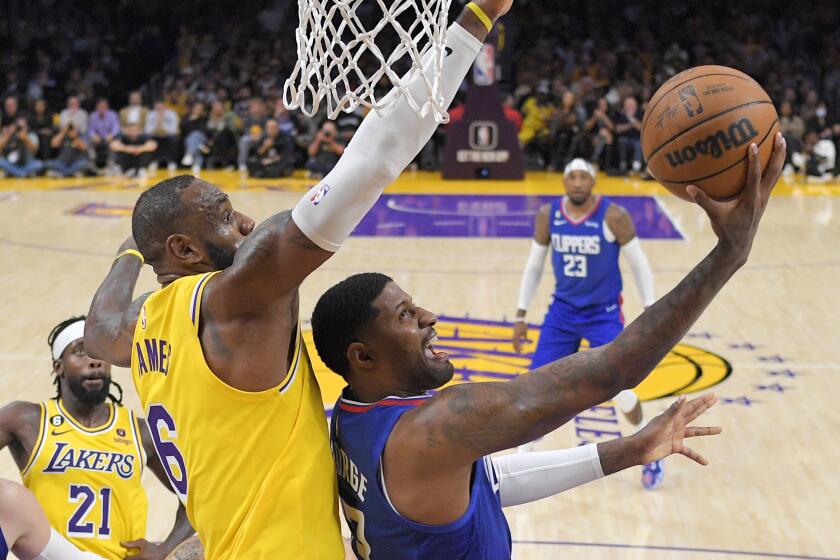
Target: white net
(354,52)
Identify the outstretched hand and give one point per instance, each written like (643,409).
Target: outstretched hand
(664,434)
(735,221)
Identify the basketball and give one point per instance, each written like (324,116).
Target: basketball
(698,126)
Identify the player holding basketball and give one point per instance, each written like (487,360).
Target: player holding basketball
(82,457)
(217,355)
(25,531)
(413,467)
(585,234)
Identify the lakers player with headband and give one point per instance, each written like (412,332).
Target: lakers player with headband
(25,532)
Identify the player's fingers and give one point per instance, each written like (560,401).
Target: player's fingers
(777,163)
(698,406)
(751,189)
(133,544)
(697,431)
(702,199)
(694,456)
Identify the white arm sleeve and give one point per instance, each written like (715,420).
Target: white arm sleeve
(641,270)
(532,274)
(59,548)
(380,150)
(528,477)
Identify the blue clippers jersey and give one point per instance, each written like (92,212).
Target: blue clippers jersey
(4,548)
(585,263)
(359,433)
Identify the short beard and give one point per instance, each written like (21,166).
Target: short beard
(90,398)
(220,257)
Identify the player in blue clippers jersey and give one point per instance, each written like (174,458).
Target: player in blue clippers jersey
(415,476)
(585,234)
(24,529)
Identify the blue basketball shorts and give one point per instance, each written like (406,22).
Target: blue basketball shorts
(565,326)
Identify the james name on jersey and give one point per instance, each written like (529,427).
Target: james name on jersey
(153,356)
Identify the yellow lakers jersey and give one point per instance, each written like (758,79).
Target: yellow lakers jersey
(254,470)
(88,479)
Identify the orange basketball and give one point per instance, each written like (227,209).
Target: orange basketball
(699,125)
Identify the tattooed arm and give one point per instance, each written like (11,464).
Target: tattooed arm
(110,322)
(435,445)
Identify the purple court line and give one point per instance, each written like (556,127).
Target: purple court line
(679,549)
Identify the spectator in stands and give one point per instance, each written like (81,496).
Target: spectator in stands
(273,154)
(72,158)
(537,112)
(566,127)
(325,150)
(133,151)
(222,127)
(75,115)
(600,129)
(628,126)
(162,127)
(819,158)
(11,110)
(194,133)
(348,123)
(103,128)
(256,116)
(18,149)
(42,124)
(134,112)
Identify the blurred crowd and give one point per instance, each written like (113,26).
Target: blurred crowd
(123,92)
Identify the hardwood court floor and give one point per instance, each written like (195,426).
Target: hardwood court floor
(772,488)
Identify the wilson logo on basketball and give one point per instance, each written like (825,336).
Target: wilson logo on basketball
(715,145)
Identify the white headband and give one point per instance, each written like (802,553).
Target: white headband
(71,332)
(579,164)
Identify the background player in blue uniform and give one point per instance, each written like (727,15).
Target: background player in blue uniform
(24,529)
(412,467)
(584,234)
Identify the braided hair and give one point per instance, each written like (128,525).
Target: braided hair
(56,381)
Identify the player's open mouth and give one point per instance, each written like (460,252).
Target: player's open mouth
(429,350)
(93,383)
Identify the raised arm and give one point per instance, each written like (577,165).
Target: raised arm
(285,249)
(110,322)
(465,422)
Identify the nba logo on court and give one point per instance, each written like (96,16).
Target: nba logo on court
(319,196)
(484,135)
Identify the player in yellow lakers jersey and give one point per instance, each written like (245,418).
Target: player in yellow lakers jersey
(216,353)
(82,454)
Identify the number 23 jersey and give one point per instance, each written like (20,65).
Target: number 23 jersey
(585,261)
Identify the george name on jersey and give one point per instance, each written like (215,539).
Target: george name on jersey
(348,470)
(153,356)
(578,244)
(65,458)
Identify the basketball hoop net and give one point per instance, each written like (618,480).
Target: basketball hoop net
(340,62)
